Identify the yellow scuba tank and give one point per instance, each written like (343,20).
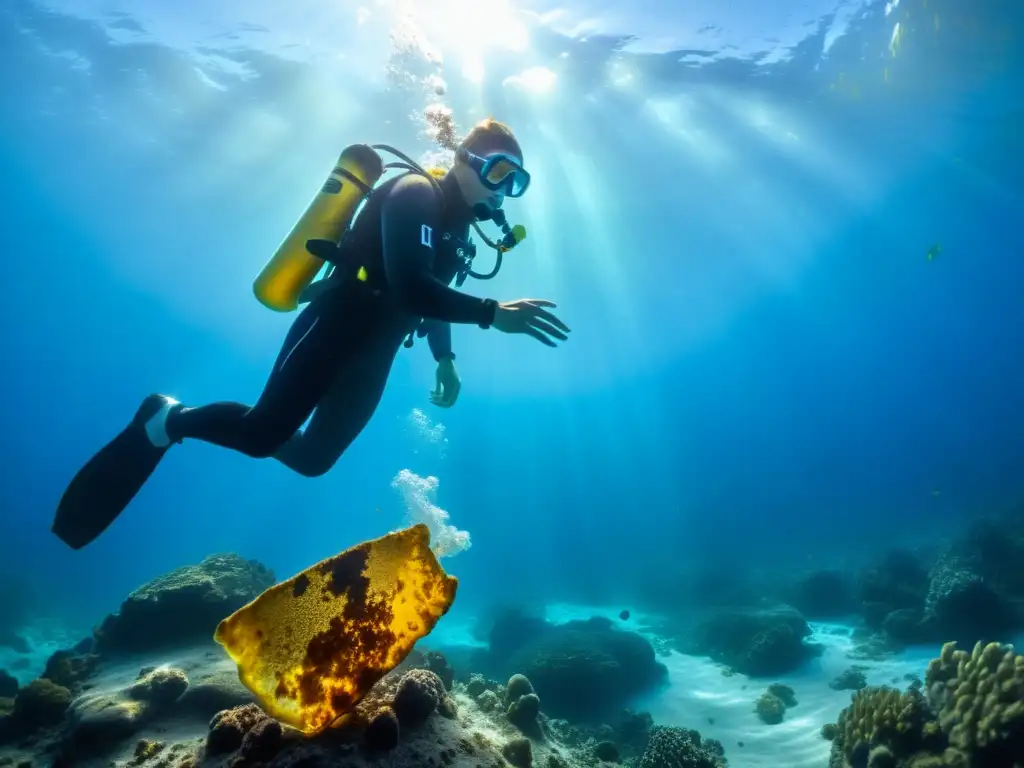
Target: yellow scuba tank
(292,267)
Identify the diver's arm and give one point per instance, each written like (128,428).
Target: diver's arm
(411,215)
(439,339)
(317,287)
(312,290)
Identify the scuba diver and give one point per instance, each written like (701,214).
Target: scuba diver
(387,280)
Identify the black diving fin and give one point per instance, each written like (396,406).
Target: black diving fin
(105,486)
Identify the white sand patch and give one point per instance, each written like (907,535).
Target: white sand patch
(698,695)
(44,640)
(722,707)
(453,632)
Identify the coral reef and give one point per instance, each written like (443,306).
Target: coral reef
(464,736)
(971,592)
(681,748)
(523,706)
(770,708)
(972,716)
(962,605)
(183,606)
(979,699)
(758,643)
(188,709)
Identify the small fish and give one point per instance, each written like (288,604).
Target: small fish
(624,615)
(934,251)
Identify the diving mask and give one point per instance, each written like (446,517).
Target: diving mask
(500,172)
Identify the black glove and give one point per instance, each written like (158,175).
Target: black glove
(325,250)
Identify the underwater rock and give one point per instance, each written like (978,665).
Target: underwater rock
(374,736)
(672,746)
(852,679)
(39,704)
(488,701)
(213,692)
(606,752)
(524,714)
(784,693)
(764,642)
(510,630)
(420,693)
(383,731)
(909,626)
(584,670)
(964,606)
(159,687)
(517,686)
(8,685)
(436,662)
(634,730)
(15,642)
(898,581)
(98,722)
(229,728)
(995,549)
(183,606)
(822,595)
(260,744)
(70,668)
(477,684)
(519,752)
(875,614)
(770,708)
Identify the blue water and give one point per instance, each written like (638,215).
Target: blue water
(764,366)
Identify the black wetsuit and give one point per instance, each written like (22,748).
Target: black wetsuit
(406,238)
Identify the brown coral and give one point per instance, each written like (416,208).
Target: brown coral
(979,699)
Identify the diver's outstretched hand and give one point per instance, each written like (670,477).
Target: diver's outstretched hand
(448,384)
(529,316)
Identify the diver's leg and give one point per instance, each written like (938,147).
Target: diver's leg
(328,331)
(319,339)
(340,416)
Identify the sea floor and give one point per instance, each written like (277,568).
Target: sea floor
(699,694)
